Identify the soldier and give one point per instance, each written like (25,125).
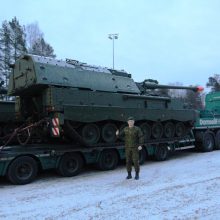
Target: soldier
(133,140)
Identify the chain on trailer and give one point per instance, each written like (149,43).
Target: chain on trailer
(22,133)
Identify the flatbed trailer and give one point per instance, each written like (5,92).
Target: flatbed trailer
(21,164)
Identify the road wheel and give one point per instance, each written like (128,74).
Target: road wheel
(142,156)
(161,153)
(90,133)
(70,165)
(121,129)
(22,170)
(169,130)
(207,142)
(108,160)
(146,129)
(157,130)
(108,132)
(217,140)
(180,129)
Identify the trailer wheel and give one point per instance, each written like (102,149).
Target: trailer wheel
(22,170)
(108,160)
(207,142)
(142,156)
(70,165)
(217,140)
(161,153)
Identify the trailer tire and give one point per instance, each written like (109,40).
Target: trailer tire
(22,170)
(142,156)
(70,165)
(161,153)
(217,140)
(108,160)
(208,142)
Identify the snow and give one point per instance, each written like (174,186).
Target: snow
(187,186)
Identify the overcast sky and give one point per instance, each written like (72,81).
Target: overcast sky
(168,40)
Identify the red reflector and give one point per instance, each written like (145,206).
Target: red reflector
(55,122)
(200,89)
(56,132)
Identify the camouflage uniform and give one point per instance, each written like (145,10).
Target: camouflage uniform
(133,139)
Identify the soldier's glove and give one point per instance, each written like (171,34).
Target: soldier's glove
(139,148)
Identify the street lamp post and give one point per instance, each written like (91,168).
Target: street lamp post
(113,37)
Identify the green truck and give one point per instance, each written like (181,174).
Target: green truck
(207,127)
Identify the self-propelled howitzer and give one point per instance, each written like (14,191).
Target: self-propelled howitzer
(87,104)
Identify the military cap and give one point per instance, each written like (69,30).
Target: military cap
(131,118)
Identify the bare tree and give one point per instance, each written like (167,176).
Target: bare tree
(36,42)
(33,33)
(163,92)
(177,93)
(194,99)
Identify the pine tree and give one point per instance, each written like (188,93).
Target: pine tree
(17,39)
(42,48)
(5,51)
(12,45)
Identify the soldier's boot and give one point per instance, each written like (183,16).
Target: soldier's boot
(129,176)
(137,176)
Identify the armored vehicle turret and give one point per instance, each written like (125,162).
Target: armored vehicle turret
(87,104)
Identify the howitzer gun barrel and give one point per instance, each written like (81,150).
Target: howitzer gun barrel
(157,86)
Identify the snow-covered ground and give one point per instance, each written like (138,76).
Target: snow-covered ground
(187,186)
